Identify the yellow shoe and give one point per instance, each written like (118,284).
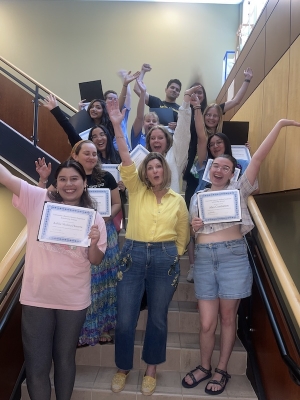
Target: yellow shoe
(148,385)
(118,382)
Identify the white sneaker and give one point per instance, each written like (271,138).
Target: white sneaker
(190,275)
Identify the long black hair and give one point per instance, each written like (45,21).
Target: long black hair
(105,117)
(112,155)
(85,199)
(226,141)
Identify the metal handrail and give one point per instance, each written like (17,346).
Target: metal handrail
(275,257)
(36,83)
(36,95)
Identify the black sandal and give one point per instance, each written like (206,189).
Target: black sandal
(191,375)
(222,382)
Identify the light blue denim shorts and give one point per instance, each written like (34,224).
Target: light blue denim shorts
(222,270)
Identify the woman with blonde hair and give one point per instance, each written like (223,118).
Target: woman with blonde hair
(156,236)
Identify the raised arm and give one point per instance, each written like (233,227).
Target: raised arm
(199,125)
(242,91)
(139,119)
(10,181)
(145,68)
(116,118)
(182,134)
(43,170)
(124,92)
(264,149)
(51,103)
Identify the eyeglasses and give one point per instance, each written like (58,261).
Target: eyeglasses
(215,144)
(223,168)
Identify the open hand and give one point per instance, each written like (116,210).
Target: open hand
(130,77)
(42,168)
(248,74)
(50,102)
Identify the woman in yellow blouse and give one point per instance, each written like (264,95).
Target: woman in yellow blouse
(156,236)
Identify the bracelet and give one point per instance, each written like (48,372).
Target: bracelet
(119,137)
(197,107)
(187,94)
(43,181)
(247,80)
(125,85)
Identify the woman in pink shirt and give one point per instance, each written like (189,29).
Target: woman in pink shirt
(56,283)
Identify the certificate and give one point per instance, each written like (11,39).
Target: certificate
(113,169)
(219,206)
(103,199)
(65,224)
(138,154)
(207,169)
(240,152)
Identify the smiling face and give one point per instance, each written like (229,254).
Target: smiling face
(216,146)
(70,186)
(150,120)
(87,157)
(158,141)
(99,138)
(211,118)
(155,173)
(172,92)
(221,172)
(96,110)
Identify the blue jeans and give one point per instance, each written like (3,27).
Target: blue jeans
(154,267)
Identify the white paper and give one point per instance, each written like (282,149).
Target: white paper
(113,169)
(103,199)
(219,206)
(65,224)
(138,154)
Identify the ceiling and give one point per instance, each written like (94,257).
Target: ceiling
(182,1)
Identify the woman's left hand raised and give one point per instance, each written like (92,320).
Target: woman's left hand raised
(115,115)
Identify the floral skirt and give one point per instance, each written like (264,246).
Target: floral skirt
(101,314)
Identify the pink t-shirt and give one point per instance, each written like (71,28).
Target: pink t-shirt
(55,276)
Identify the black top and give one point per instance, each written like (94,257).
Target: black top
(155,102)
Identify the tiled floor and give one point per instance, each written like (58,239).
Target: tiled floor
(93,383)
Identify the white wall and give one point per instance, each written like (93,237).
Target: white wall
(61,43)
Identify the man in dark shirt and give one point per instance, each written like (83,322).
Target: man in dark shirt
(172,92)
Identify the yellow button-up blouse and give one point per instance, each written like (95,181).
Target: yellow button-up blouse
(152,222)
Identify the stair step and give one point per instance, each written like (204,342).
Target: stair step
(93,383)
(182,354)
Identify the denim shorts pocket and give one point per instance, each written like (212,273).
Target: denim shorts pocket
(237,249)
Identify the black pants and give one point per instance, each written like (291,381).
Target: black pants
(50,334)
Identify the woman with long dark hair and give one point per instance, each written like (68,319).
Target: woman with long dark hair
(56,282)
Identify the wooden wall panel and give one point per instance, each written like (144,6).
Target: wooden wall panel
(270,7)
(277,34)
(291,166)
(274,108)
(252,112)
(16,109)
(275,98)
(295,18)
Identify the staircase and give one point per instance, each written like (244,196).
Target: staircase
(96,367)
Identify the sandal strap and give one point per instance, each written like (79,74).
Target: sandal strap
(206,371)
(223,373)
(214,382)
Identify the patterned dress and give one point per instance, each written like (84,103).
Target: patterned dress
(101,314)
